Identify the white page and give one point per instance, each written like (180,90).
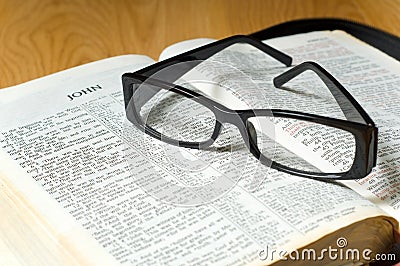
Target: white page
(65,231)
(373,78)
(90,180)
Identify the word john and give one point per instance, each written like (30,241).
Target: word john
(82,92)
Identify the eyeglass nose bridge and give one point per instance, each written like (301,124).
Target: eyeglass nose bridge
(228,116)
(246,129)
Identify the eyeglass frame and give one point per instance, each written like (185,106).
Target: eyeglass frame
(359,123)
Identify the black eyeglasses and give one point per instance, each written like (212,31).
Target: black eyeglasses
(184,116)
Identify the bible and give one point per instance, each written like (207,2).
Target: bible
(68,196)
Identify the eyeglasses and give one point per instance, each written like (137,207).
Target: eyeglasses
(185,116)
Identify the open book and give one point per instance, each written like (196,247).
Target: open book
(69,198)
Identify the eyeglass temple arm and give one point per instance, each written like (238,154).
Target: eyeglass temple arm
(207,51)
(349,106)
(194,57)
(220,45)
(202,53)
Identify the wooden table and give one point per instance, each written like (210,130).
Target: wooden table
(39,37)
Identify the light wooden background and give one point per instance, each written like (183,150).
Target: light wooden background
(45,36)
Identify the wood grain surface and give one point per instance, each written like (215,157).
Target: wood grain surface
(39,37)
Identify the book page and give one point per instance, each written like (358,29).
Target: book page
(23,198)
(373,78)
(65,136)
